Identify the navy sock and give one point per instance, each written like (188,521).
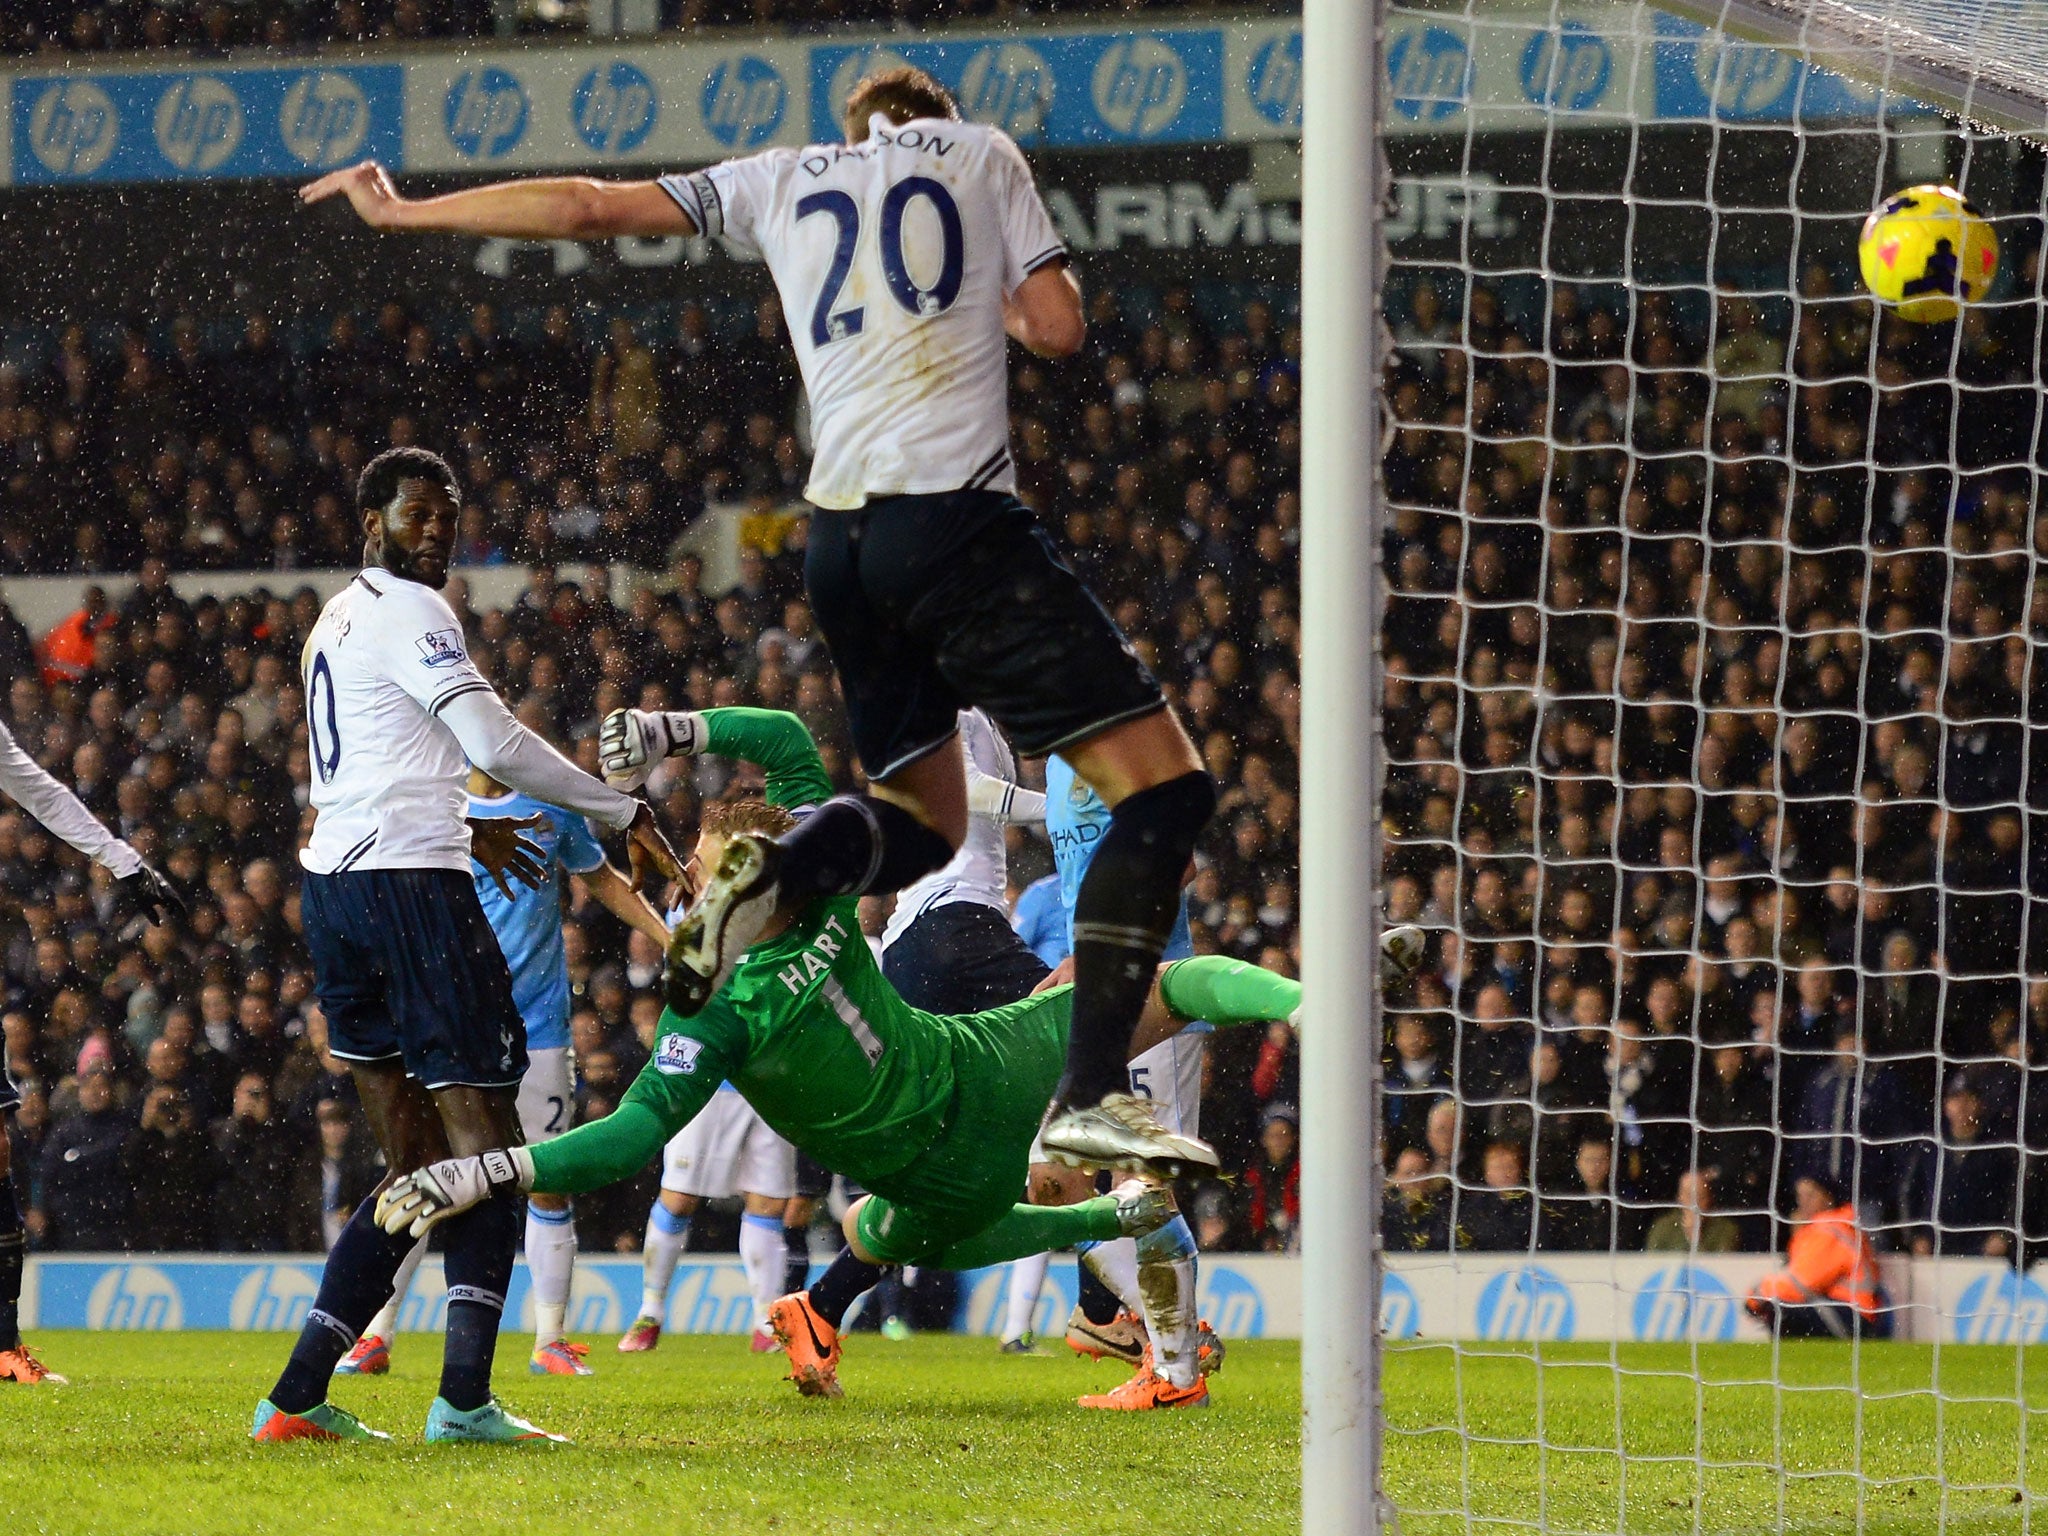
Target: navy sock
(1123,916)
(1099,1304)
(797,1269)
(857,845)
(844,1282)
(481,1244)
(13,1247)
(356,1282)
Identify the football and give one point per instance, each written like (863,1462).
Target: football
(1926,251)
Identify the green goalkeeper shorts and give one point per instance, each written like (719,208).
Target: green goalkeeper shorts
(1007,1063)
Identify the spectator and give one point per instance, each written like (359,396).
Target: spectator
(1829,1287)
(83,1191)
(1962,1191)
(327,1188)
(1585,1216)
(1272,1186)
(1500,1217)
(1693,1225)
(258,1158)
(170,1170)
(1415,1208)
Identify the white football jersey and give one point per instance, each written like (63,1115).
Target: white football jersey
(893,258)
(390,780)
(980,871)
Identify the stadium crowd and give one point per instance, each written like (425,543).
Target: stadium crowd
(179,1094)
(1709,703)
(210,26)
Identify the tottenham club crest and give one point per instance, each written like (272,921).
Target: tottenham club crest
(440,648)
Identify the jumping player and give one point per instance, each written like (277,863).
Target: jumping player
(905,255)
(416,992)
(525,912)
(933,1114)
(137,888)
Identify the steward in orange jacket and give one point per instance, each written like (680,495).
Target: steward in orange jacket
(1829,1287)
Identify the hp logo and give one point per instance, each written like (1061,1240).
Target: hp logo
(1566,69)
(1232,1303)
(325,119)
(1430,70)
(1400,1310)
(1009,85)
(134,1296)
(273,1298)
(198,123)
(73,128)
(1273,83)
(1140,86)
(485,112)
(744,99)
(1527,1303)
(615,108)
(1682,1304)
(2002,1309)
(1742,79)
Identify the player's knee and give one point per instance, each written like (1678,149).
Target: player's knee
(1168,817)
(850,1226)
(548,1202)
(676,1203)
(1051,1184)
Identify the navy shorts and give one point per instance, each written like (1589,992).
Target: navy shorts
(962,958)
(934,603)
(407,969)
(813,1178)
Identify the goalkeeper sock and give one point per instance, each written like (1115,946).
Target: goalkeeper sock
(1123,915)
(551,1260)
(1166,1293)
(13,1251)
(857,845)
(796,1265)
(845,1281)
(666,1234)
(481,1244)
(762,1256)
(1109,1280)
(385,1324)
(1226,991)
(1027,1281)
(353,1286)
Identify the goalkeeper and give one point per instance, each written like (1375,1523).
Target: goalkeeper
(933,1114)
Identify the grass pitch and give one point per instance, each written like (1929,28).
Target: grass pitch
(938,1434)
(943,1435)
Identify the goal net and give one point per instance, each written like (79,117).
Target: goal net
(1711,774)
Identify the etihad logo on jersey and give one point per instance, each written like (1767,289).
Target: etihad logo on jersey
(677,1055)
(817,959)
(440,648)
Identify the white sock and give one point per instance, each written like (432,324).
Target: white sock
(666,1235)
(551,1260)
(1027,1279)
(385,1323)
(1116,1266)
(763,1254)
(1166,1287)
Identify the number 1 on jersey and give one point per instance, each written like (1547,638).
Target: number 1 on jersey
(827,327)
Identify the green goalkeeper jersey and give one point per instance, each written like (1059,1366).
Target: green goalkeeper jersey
(807,1028)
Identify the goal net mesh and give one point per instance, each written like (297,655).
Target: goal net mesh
(1710,701)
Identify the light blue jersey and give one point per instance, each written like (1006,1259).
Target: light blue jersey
(529,925)
(1075,819)
(1041,922)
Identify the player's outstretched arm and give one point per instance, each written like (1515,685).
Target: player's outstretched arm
(1007,804)
(137,886)
(631,741)
(612,891)
(536,208)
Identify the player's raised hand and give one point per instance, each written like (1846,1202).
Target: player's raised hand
(648,851)
(499,844)
(632,741)
(368,188)
(415,1201)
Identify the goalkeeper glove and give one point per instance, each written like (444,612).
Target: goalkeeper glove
(632,741)
(418,1200)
